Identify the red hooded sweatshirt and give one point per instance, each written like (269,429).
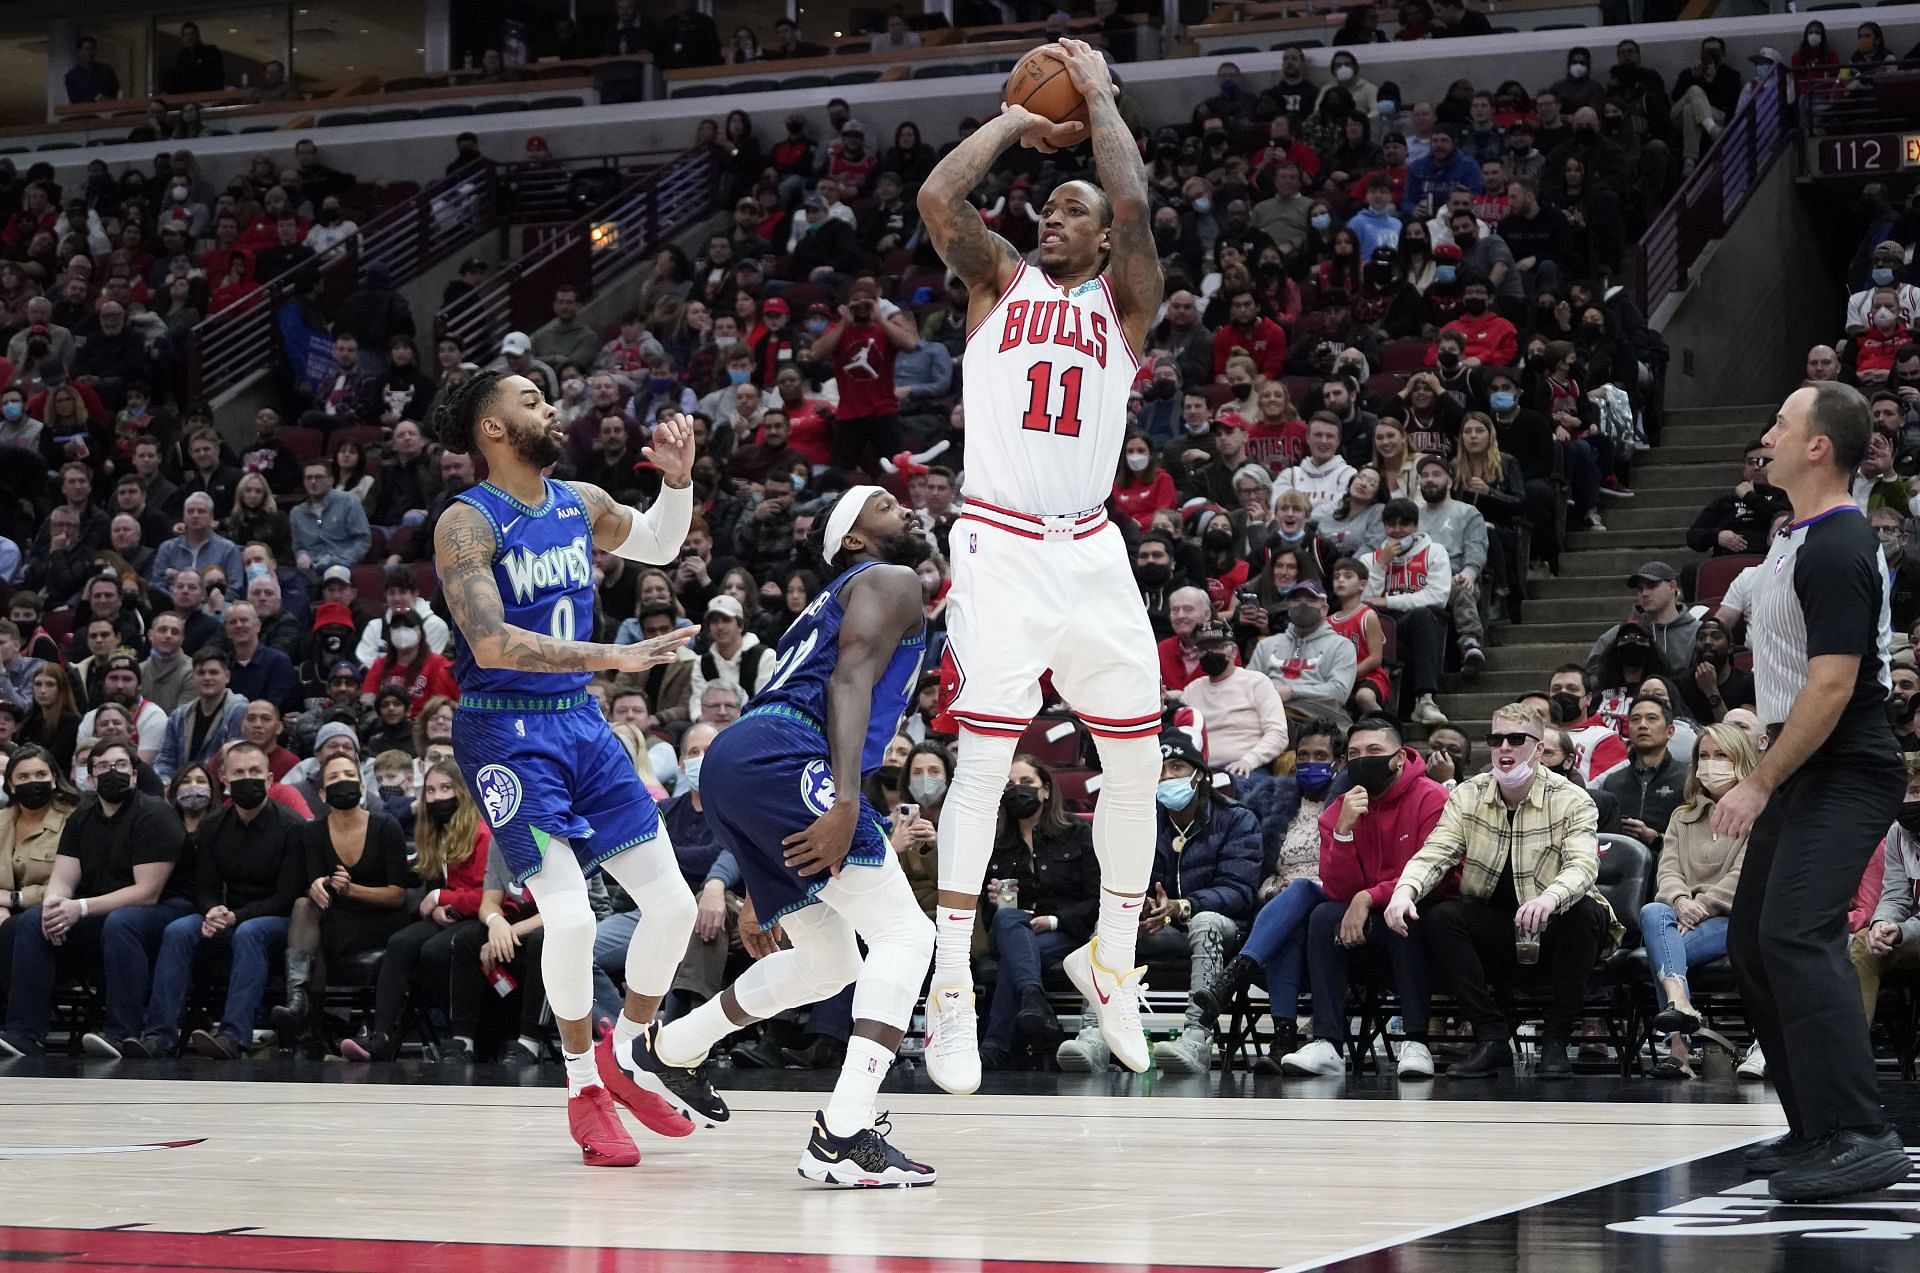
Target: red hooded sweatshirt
(1387,835)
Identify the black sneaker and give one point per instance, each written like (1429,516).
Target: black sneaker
(145,1048)
(1844,1164)
(1777,1154)
(1554,1062)
(216,1045)
(1214,998)
(1473,659)
(17,1045)
(863,1160)
(455,1052)
(515,1056)
(687,1089)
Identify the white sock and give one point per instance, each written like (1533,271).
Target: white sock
(686,1040)
(581,1072)
(533,1049)
(625,1031)
(953,946)
(851,1109)
(1118,930)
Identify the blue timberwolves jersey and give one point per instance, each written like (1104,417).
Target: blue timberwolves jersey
(543,566)
(810,651)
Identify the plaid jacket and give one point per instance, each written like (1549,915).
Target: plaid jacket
(1551,838)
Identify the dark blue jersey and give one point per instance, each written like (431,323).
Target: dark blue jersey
(543,566)
(810,651)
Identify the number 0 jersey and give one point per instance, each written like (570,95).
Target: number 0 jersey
(543,566)
(1045,379)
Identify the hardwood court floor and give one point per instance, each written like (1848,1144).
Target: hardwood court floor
(1097,1180)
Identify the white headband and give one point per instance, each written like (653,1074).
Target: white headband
(845,513)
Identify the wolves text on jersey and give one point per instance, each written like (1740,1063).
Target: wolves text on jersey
(562,566)
(1056,322)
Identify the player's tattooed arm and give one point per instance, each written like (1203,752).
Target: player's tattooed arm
(982,259)
(464,545)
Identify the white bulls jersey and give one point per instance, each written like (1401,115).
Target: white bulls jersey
(1046,378)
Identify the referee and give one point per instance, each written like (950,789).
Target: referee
(1824,794)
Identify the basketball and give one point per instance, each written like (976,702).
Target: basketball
(1041,84)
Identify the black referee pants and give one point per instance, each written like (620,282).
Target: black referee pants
(1787,935)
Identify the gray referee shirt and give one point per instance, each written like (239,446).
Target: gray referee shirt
(1822,590)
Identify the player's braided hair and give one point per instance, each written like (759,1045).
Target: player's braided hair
(459,410)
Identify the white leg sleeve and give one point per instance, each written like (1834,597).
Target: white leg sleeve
(651,875)
(824,958)
(880,907)
(972,809)
(566,951)
(1123,825)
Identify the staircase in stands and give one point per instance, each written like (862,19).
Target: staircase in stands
(1698,458)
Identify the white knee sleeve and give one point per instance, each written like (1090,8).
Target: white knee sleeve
(1123,825)
(651,875)
(881,908)
(824,958)
(566,951)
(971,812)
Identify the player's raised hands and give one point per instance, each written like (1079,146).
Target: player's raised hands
(651,652)
(1037,132)
(824,845)
(671,448)
(1085,66)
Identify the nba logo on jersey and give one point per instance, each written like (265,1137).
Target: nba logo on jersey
(499,790)
(973,543)
(816,786)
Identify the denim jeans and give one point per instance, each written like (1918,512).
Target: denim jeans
(1278,943)
(1672,952)
(1023,954)
(610,939)
(122,941)
(1329,964)
(255,944)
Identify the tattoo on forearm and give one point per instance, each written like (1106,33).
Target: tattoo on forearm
(959,235)
(1134,262)
(463,554)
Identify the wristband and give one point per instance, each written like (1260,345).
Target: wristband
(83,908)
(1344,839)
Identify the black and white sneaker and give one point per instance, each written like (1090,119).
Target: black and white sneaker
(863,1160)
(19,1045)
(687,1089)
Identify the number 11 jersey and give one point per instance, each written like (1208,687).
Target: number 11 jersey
(1045,380)
(543,566)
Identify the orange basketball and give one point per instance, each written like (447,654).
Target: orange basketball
(1041,84)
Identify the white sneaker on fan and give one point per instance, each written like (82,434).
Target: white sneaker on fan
(1116,1001)
(953,1040)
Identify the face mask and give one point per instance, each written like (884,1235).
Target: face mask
(1314,777)
(12,411)
(1716,776)
(1321,220)
(816,325)
(1445,273)
(1474,305)
(1304,615)
(113,786)
(1373,773)
(1020,802)
(1815,39)
(33,795)
(927,790)
(248,793)
(1386,105)
(1910,816)
(179,194)
(1568,705)
(404,638)
(1884,318)
(330,216)
(1882,277)
(739,375)
(440,812)
(1203,205)
(1343,73)
(344,794)
(82,777)
(1138,462)
(1448,359)
(1503,399)
(660,384)
(1175,794)
(799,483)
(1154,576)
(1214,662)
(194,798)
(1577,70)
(690,773)
(1514,779)
(725,342)
(1632,652)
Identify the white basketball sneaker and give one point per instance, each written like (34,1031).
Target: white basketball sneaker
(1116,999)
(953,1040)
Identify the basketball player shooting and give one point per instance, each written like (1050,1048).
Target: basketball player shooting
(515,556)
(1040,578)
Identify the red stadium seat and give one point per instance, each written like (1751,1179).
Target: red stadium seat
(59,625)
(1299,388)
(371,583)
(1217,395)
(1717,575)
(1385,384)
(1404,356)
(428,577)
(302,442)
(1078,788)
(365,435)
(1056,741)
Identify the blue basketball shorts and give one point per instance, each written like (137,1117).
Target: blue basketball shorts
(540,775)
(766,777)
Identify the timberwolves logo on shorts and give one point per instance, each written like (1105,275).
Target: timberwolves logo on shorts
(816,786)
(499,790)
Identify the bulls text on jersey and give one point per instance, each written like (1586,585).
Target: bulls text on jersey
(1059,322)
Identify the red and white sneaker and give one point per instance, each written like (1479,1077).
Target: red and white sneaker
(595,1124)
(654,1113)
(1115,997)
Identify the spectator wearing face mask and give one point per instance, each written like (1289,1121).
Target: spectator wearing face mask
(1887,268)
(1460,529)
(420,673)
(1488,339)
(1311,665)
(1245,720)
(1410,577)
(1873,352)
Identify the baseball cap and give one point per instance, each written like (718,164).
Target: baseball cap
(818,310)
(853,126)
(1429,460)
(337,574)
(729,606)
(1212,630)
(814,201)
(774,305)
(343,667)
(14,710)
(471,264)
(515,344)
(1652,572)
(331,614)
(1309,587)
(1178,744)
(123,663)
(336,729)
(1767,54)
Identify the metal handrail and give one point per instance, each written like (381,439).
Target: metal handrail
(588,252)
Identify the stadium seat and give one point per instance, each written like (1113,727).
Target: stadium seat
(1077,788)
(342,119)
(1717,575)
(1056,741)
(945,70)
(428,577)
(451,110)
(555,103)
(59,624)
(854,77)
(396,115)
(370,581)
(1385,384)
(1404,356)
(1217,395)
(303,442)
(511,106)
(806,81)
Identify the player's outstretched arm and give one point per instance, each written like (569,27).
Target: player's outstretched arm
(654,536)
(1134,265)
(882,605)
(463,546)
(983,260)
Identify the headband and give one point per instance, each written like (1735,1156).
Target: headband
(843,516)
